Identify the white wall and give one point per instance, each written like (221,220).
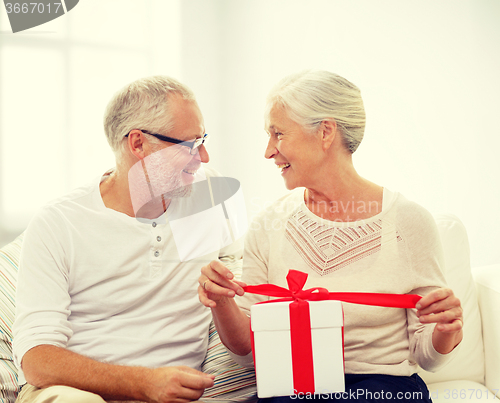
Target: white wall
(428,71)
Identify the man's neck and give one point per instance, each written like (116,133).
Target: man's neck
(115,195)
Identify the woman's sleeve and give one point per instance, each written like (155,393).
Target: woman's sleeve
(426,258)
(421,348)
(255,262)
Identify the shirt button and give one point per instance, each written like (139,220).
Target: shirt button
(154,224)
(158,238)
(157,254)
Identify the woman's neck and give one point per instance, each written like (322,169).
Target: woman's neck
(344,196)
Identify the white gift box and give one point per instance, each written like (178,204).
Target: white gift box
(274,369)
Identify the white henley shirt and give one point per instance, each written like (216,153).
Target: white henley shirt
(104,285)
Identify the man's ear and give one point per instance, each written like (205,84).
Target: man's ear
(328,131)
(136,143)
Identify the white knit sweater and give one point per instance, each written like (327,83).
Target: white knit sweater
(395,251)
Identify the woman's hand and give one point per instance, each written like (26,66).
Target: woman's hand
(441,306)
(217,283)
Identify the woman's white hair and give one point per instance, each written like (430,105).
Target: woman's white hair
(313,96)
(142,105)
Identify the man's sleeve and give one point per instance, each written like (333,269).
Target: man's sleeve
(42,297)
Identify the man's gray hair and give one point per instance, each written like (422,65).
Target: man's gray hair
(142,105)
(312,96)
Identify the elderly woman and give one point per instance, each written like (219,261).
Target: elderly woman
(348,234)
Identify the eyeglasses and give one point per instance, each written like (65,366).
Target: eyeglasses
(192,145)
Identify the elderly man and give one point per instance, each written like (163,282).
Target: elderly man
(107,310)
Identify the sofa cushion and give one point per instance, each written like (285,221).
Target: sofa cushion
(9,261)
(462,391)
(468,363)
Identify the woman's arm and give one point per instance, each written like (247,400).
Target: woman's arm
(217,290)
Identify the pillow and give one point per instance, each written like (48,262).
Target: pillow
(9,263)
(468,363)
(233,383)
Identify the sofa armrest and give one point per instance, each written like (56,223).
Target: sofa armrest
(487,281)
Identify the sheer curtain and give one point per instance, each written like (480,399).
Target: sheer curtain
(55,81)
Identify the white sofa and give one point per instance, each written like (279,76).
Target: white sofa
(473,375)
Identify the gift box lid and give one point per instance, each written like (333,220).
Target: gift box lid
(276,316)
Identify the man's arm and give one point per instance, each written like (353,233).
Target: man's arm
(47,365)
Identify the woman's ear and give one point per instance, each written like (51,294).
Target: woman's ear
(328,131)
(136,143)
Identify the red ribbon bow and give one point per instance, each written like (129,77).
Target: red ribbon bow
(300,321)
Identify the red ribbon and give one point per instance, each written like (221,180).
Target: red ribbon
(300,321)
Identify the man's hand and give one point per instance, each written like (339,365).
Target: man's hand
(217,283)
(441,306)
(178,384)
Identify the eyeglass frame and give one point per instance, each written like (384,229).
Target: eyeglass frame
(192,145)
